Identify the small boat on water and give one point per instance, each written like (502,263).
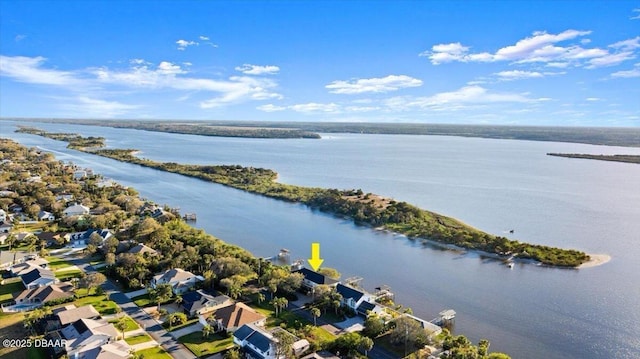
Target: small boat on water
(510,265)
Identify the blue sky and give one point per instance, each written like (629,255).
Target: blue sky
(573,63)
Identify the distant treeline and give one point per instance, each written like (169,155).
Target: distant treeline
(367,209)
(611,136)
(614,158)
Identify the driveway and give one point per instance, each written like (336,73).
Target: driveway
(146,322)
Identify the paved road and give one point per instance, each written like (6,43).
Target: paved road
(146,322)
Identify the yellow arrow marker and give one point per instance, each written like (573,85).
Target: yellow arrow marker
(315,260)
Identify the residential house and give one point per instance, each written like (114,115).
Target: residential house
(367,307)
(27,266)
(72,314)
(66,197)
(76,210)
(38,277)
(88,338)
(36,297)
(256,342)
(46,216)
(143,250)
(50,238)
(351,297)
(321,355)
(6,227)
(431,328)
(179,279)
(199,302)
(6,193)
(79,174)
(15,208)
(79,239)
(313,279)
(298,346)
(232,317)
(3,215)
(10,258)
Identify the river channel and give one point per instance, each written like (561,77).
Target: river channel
(495,185)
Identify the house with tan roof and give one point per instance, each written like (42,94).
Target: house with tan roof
(232,317)
(143,250)
(179,279)
(36,297)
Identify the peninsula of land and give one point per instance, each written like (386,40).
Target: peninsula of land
(366,209)
(613,158)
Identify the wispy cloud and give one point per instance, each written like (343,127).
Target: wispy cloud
(521,75)
(203,38)
(541,47)
(635,72)
(29,70)
(249,69)
(183,44)
(19,38)
(140,74)
(95,108)
(635,17)
(380,84)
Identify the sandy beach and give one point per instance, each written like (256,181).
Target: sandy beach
(596,260)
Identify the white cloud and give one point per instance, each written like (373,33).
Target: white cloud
(19,38)
(258,70)
(518,74)
(271,108)
(541,47)
(183,44)
(380,84)
(29,69)
(628,73)
(635,17)
(315,107)
(629,44)
(593,99)
(167,68)
(203,38)
(610,60)
(96,108)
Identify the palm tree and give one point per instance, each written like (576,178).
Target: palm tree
(365,344)
(315,313)
(207,330)
(121,325)
(260,298)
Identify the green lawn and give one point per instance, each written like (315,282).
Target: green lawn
(201,346)
(141,338)
(100,302)
(131,324)
(189,322)
(154,353)
(143,301)
(9,287)
(57,263)
(68,274)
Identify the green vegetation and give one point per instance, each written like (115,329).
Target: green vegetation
(143,301)
(130,324)
(10,286)
(201,346)
(365,209)
(66,275)
(100,302)
(613,158)
(56,263)
(154,353)
(137,339)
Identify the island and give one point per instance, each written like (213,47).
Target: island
(613,158)
(363,208)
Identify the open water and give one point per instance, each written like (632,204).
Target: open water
(495,185)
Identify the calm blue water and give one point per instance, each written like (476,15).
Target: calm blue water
(494,185)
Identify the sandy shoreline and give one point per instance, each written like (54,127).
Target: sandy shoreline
(596,260)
